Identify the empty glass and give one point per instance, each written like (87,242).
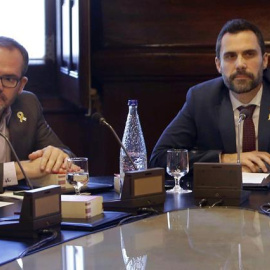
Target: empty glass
(177,166)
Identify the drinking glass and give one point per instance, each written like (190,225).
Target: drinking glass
(177,166)
(77,173)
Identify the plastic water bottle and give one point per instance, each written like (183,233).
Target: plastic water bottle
(133,141)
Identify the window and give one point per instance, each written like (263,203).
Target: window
(24,20)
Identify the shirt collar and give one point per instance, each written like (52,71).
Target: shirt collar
(255,101)
(6,116)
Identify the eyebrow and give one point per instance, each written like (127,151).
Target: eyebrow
(10,76)
(245,51)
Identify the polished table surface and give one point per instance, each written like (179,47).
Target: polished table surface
(208,236)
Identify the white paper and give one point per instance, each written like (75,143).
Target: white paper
(253,178)
(10,194)
(2,204)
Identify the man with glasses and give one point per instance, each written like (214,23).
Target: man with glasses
(22,121)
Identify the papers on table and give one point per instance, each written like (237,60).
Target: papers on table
(8,194)
(253,178)
(258,181)
(2,204)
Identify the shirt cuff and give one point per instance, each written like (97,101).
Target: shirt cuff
(219,157)
(10,177)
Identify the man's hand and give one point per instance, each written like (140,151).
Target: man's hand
(53,159)
(31,168)
(251,161)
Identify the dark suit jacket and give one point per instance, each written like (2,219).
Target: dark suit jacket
(205,124)
(34,133)
(31,133)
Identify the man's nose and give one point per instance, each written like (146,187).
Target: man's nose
(241,62)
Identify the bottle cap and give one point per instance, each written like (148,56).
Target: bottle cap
(132,102)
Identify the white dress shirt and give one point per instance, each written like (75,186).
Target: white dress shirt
(236,104)
(9,177)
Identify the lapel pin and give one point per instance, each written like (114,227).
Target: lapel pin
(20,115)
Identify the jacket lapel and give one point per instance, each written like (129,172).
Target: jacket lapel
(264,121)
(226,124)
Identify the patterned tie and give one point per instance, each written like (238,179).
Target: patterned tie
(249,139)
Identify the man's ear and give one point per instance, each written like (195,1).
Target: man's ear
(218,65)
(265,60)
(23,82)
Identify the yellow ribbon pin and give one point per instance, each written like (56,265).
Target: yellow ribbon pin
(20,115)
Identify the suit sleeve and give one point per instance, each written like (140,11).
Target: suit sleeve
(182,132)
(33,133)
(45,135)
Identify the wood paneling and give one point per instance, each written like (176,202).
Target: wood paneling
(153,51)
(159,22)
(150,50)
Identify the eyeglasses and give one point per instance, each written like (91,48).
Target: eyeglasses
(9,82)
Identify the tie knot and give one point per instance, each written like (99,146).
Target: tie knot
(248,110)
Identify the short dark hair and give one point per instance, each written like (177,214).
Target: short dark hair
(9,43)
(238,25)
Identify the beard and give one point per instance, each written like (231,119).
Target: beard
(241,86)
(2,109)
(3,104)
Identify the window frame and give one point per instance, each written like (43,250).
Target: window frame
(42,73)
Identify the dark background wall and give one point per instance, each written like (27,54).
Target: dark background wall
(153,51)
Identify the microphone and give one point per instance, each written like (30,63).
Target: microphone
(244,113)
(98,118)
(136,191)
(45,201)
(17,159)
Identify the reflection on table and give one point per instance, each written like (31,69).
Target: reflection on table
(207,238)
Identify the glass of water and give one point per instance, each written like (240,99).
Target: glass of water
(177,166)
(77,173)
